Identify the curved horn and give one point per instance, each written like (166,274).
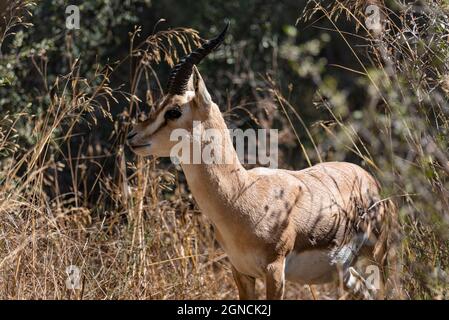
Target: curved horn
(179,77)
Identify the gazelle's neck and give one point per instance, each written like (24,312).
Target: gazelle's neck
(216,186)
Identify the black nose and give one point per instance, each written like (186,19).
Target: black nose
(131,135)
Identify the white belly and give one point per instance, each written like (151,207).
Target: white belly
(310,267)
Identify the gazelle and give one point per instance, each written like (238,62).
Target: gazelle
(306,226)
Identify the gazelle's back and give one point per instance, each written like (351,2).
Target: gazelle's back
(333,198)
(336,198)
(334,205)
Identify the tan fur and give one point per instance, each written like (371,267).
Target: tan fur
(263,215)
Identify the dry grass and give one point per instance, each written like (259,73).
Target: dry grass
(134,231)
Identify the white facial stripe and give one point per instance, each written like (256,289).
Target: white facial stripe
(156,124)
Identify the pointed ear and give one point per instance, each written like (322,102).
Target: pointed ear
(202,96)
(190,92)
(191,83)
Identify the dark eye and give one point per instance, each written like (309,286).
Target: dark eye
(174,113)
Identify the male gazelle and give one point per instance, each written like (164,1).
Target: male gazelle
(306,226)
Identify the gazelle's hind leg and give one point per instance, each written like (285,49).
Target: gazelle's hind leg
(275,280)
(358,285)
(346,257)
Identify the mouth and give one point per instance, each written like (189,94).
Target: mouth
(134,146)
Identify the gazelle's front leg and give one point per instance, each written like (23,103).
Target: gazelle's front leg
(245,284)
(275,280)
